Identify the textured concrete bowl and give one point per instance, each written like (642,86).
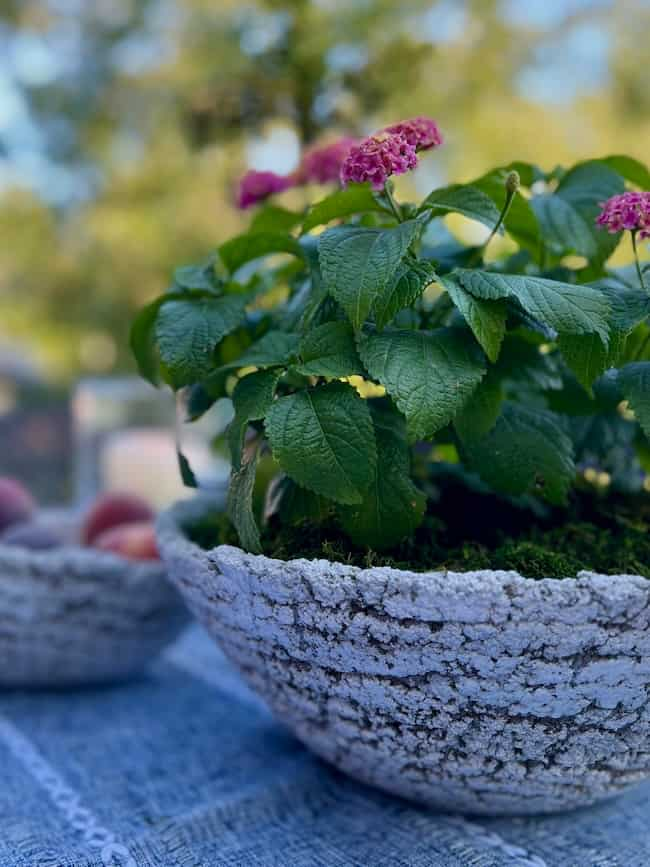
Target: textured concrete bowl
(480,692)
(72,616)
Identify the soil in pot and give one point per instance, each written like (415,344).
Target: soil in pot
(467,528)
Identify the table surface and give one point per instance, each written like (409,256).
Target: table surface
(186,768)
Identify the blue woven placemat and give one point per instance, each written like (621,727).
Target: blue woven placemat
(185,768)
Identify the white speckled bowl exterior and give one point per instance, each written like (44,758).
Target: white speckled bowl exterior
(72,616)
(479,692)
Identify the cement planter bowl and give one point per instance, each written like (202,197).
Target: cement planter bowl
(74,616)
(479,692)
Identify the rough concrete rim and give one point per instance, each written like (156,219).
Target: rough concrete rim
(546,680)
(554,588)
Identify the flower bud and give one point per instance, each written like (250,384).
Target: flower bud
(513,182)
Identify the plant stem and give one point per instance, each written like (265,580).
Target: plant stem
(480,252)
(395,208)
(638,264)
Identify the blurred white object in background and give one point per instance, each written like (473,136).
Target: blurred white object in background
(124,440)
(143,461)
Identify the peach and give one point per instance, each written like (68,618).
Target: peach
(113,510)
(16,503)
(136,541)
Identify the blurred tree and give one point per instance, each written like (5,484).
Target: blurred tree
(131,118)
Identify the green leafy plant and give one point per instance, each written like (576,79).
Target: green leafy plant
(363,346)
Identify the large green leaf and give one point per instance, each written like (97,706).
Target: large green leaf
(585,187)
(465,199)
(562,227)
(393,507)
(630,307)
(330,350)
(589,183)
(197,277)
(486,318)
(274,349)
(411,279)
(564,307)
(429,375)
(142,338)
(629,168)
(252,397)
(480,413)
(358,263)
(634,382)
(323,439)
(527,451)
(245,248)
(214,386)
(588,357)
(272,218)
(189,328)
(308,304)
(355,199)
(240,504)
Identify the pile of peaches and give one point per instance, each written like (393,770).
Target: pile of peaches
(122,524)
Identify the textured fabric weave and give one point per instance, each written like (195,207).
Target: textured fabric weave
(186,768)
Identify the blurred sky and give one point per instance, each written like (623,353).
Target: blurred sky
(574,65)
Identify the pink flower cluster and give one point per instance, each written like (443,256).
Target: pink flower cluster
(255,186)
(377,158)
(421,132)
(392,151)
(322,165)
(627,211)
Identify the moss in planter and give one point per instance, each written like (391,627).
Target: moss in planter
(609,535)
(561,552)
(535,560)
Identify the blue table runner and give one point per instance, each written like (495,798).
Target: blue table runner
(185,767)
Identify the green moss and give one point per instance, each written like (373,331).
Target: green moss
(609,535)
(535,560)
(557,553)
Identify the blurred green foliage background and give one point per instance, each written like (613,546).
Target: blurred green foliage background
(124,125)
